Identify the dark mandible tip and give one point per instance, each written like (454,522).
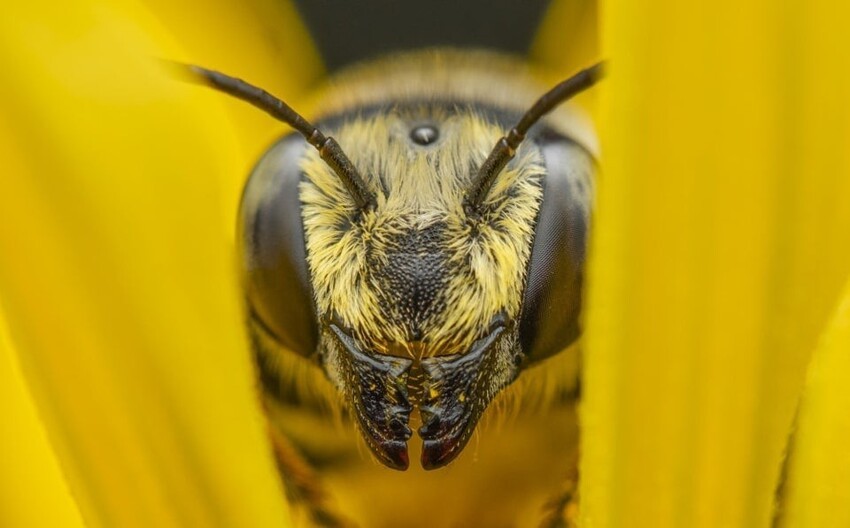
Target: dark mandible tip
(506,147)
(328,148)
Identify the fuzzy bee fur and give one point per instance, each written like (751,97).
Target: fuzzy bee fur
(381,285)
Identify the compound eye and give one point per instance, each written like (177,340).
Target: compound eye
(424,134)
(273,254)
(552,301)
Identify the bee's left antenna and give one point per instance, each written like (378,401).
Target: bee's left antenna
(506,147)
(328,148)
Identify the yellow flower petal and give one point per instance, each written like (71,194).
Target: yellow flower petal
(568,38)
(117,275)
(32,489)
(720,250)
(263,42)
(818,486)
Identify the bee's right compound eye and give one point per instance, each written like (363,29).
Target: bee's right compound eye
(273,254)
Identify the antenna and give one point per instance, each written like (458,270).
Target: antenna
(328,148)
(505,148)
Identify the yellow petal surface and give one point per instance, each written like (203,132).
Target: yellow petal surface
(720,250)
(568,38)
(261,41)
(116,276)
(817,492)
(32,489)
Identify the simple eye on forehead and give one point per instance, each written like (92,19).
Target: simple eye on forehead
(424,134)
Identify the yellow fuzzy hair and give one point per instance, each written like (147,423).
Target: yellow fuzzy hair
(425,186)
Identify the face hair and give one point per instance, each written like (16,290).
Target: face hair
(328,148)
(505,148)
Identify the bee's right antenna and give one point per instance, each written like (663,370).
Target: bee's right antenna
(328,148)
(505,148)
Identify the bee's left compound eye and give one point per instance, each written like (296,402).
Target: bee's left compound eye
(276,278)
(552,302)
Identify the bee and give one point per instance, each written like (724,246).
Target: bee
(420,246)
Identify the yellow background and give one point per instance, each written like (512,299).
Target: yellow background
(719,256)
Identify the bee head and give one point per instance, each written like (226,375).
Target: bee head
(420,283)
(428,277)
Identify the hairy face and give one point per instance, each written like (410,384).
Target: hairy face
(373,262)
(418,297)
